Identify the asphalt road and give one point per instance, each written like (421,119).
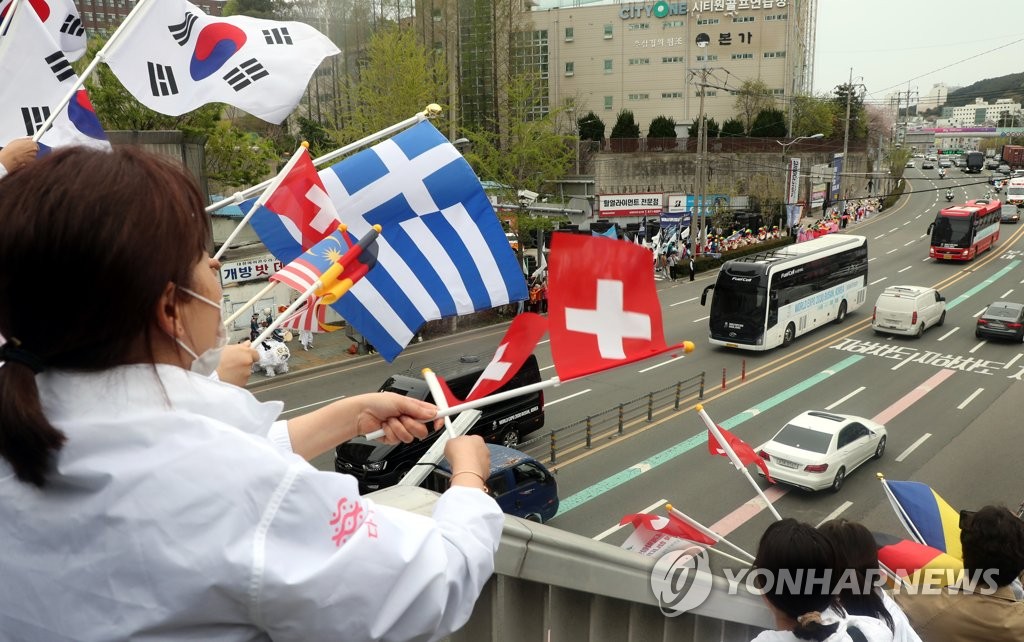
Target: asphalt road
(948,400)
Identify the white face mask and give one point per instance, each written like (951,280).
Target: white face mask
(206,363)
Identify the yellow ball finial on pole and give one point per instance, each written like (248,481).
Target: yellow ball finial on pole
(699,407)
(305,144)
(688,346)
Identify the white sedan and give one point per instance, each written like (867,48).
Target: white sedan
(817,450)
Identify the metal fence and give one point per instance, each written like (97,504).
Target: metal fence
(615,421)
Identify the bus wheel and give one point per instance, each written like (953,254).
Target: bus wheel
(842,312)
(787,338)
(510,439)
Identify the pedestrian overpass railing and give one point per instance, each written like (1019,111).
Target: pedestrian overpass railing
(550,585)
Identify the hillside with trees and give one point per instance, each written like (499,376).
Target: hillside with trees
(990,90)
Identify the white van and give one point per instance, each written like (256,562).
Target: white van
(908,309)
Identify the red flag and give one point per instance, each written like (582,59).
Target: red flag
(602,305)
(671,526)
(740,447)
(520,340)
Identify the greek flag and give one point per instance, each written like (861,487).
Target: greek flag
(442,251)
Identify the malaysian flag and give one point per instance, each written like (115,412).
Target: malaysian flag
(335,261)
(442,251)
(310,317)
(61,19)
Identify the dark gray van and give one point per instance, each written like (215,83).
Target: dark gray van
(376,465)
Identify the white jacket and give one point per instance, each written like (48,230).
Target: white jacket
(172,516)
(874,630)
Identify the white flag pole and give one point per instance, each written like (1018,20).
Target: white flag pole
(439,399)
(264,197)
(707,532)
(140,8)
(289,311)
(734,458)
(243,309)
(431,111)
(435,453)
(481,402)
(10,14)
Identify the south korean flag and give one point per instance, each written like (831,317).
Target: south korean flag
(62,21)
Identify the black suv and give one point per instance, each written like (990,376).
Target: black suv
(376,465)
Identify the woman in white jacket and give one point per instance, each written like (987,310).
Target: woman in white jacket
(141,499)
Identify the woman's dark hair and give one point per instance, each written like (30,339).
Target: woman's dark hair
(89,241)
(794,557)
(857,551)
(993,540)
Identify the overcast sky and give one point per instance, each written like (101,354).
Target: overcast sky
(890,42)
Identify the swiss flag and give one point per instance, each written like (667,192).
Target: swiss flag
(742,449)
(603,307)
(671,526)
(299,213)
(519,342)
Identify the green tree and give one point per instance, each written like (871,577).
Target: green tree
(712,126)
(813,115)
(858,121)
(896,160)
(314,133)
(625,126)
(662,127)
(591,127)
(255,8)
(733,127)
(399,78)
(769,123)
(237,158)
(752,98)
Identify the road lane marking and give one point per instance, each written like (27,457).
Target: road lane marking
(903,455)
(310,405)
(547,367)
(975,348)
(926,259)
(672,305)
(904,269)
(970,398)
(906,224)
(1007,293)
(949,333)
(663,363)
(702,319)
(617,479)
(909,243)
(895,249)
(836,513)
(575,394)
(984,284)
(893,230)
(979,313)
(1012,361)
(913,396)
(605,533)
(544,341)
(844,399)
(744,513)
(872,259)
(878,280)
(878,237)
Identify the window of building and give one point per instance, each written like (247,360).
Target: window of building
(435,14)
(607,65)
(743,19)
(708,57)
(607,102)
(568,34)
(775,54)
(607,32)
(673,59)
(671,94)
(778,92)
(742,56)
(709,92)
(639,61)
(639,96)
(570,68)
(707,21)
(639,26)
(778,16)
(672,24)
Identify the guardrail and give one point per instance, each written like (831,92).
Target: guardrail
(617,420)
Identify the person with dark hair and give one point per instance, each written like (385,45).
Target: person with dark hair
(983,606)
(862,594)
(797,570)
(140,498)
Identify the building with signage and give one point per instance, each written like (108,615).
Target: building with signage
(981,111)
(608,55)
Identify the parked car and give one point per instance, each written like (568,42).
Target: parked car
(817,450)
(520,484)
(908,309)
(1002,320)
(1009,214)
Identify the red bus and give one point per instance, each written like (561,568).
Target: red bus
(962,232)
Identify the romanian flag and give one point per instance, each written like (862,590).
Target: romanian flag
(917,564)
(925,515)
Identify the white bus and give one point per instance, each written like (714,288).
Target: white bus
(1015,191)
(768,299)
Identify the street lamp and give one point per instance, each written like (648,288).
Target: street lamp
(785,190)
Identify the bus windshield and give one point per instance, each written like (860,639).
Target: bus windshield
(952,232)
(737,309)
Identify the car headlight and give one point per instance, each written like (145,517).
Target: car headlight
(375,466)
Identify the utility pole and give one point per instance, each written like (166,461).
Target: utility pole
(697,217)
(846,132)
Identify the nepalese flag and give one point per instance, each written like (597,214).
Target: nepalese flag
(335,261)
(37,76)
(174,58)
(596,321)
(298,215)
(442,251)
(61,20)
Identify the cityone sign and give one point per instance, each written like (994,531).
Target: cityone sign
(659,9)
